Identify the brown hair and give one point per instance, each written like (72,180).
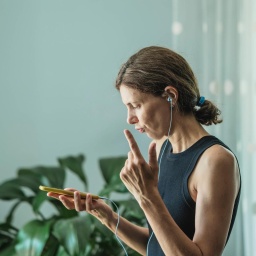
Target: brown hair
(153,68)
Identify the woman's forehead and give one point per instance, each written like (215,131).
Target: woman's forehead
(130,95)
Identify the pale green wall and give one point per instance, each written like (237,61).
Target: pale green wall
(58,63)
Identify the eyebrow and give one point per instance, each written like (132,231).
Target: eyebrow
(133,102)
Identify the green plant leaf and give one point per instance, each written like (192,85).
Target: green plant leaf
(111,166)
(9,191)
(51,246)
(8,228)
(110,169)
(113,186)
(32,237)
(29,181)
(66,233)
(9,251)
(103,241)
(131,210)
(63,212)
(38,200)
(61,252)
(12,211)
(48,176)
(75,164)
(73,234)
(7,235)
(25,182)
(102,229)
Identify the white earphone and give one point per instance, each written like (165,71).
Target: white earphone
(169,99)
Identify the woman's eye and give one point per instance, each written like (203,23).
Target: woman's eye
(137,106)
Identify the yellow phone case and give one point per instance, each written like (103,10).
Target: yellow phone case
(65,192)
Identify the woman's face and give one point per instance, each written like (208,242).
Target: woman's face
(148,113)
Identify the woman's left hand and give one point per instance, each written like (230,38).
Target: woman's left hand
(140,177)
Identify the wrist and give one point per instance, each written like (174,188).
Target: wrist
(111,221)
(147,202)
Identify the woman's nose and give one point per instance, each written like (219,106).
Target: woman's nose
(131,118)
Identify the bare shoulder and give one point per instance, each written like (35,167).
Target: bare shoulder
(220,164)
(218,152)
(220,157)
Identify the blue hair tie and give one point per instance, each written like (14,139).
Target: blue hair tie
(201,101)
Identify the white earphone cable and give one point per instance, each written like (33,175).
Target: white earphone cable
(160,160)
(118,220)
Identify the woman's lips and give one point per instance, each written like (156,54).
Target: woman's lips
(141,130)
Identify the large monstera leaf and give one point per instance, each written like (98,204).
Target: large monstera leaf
(110,169)
(32,238)
(75,164)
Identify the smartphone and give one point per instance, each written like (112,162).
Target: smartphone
(65,192)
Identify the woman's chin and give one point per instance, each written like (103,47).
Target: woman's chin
(153,136)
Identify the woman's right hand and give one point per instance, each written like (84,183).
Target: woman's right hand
(97,208)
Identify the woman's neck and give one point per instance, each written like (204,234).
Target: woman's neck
(185,132)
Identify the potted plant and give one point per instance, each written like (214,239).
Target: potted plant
(64,233)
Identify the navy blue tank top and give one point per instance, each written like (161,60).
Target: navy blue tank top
(175,170)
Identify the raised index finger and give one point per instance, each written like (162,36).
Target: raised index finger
(133,144)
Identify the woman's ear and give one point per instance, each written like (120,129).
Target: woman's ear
(171,92)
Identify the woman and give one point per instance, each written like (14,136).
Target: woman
(189,189)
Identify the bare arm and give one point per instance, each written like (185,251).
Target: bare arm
(134,236)
(217,188)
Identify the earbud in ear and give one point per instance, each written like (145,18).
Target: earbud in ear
(169,99)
